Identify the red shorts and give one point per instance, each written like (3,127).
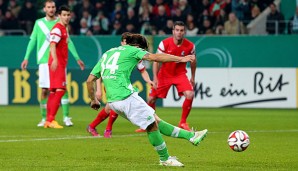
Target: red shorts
(181,83)
(58,78)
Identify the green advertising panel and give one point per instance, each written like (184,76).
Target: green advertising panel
(212,51)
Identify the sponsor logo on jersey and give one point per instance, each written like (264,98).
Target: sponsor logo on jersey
(182,53)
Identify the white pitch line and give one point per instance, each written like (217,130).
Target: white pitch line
(127,135)
(65,138)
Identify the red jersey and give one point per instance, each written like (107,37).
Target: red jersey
(173,69)
(59,36)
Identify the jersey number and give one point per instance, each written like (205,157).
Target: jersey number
(111,63)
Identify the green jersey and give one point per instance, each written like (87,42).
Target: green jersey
(115,68)
(41,36)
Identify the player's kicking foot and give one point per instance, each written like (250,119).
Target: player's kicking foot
(184,126)
(67,121)
(140,130)
(198,137)
(107,134)
(92,131)
(41,123)
(53,124)
(172,161)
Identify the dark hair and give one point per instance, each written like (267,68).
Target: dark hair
(178,23)
(137,40)
(125,35)
(63,8)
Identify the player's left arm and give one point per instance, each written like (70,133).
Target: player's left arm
(75,54)
(142,69)
(146,78)
(193,67)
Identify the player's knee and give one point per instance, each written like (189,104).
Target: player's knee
(152,127)
(189,94)
(151,99)
(44,93)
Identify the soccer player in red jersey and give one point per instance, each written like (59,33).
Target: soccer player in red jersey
(107,112)
(173,73)
(57,65)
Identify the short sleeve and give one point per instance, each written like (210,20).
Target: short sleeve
(140,53)
(55,35)
(193,51)
(141,66)
(96,70)
(161,47)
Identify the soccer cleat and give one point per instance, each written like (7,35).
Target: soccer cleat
(41,123)
(107,134)
(184,126)
(140,130)
(198,137)
(53,124)
(92,131)
(172,161)
(67,121)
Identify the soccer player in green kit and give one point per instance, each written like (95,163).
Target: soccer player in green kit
(115,68)
(40,36)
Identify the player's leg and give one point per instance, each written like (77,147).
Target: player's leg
(143,116)
(152,98)
(112,118)
(53,106)
(186,108)
(185,88)
(43,106)
(65,107)
(101,116)
(44,84)
(170,130)
(151,102)
(57,90)
(161,92)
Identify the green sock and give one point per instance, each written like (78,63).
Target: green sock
(173,131)
(43,108)
(65,104)
(159,144)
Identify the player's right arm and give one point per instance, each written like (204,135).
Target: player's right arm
(162,57)
(98,93)
(30,46)
(94,75)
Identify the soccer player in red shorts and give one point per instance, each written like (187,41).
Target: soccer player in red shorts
(172,73)
(57,66)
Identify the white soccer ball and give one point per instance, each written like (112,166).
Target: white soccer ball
(238,141)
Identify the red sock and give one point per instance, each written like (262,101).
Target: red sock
(53,104)
(112,118)
(186,107)
(153,105)
(102,115)
(49,104)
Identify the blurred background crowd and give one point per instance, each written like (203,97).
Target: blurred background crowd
(150,17)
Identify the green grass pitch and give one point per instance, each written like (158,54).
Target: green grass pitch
(273,135)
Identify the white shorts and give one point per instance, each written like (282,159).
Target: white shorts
(44,75)
(135,109)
